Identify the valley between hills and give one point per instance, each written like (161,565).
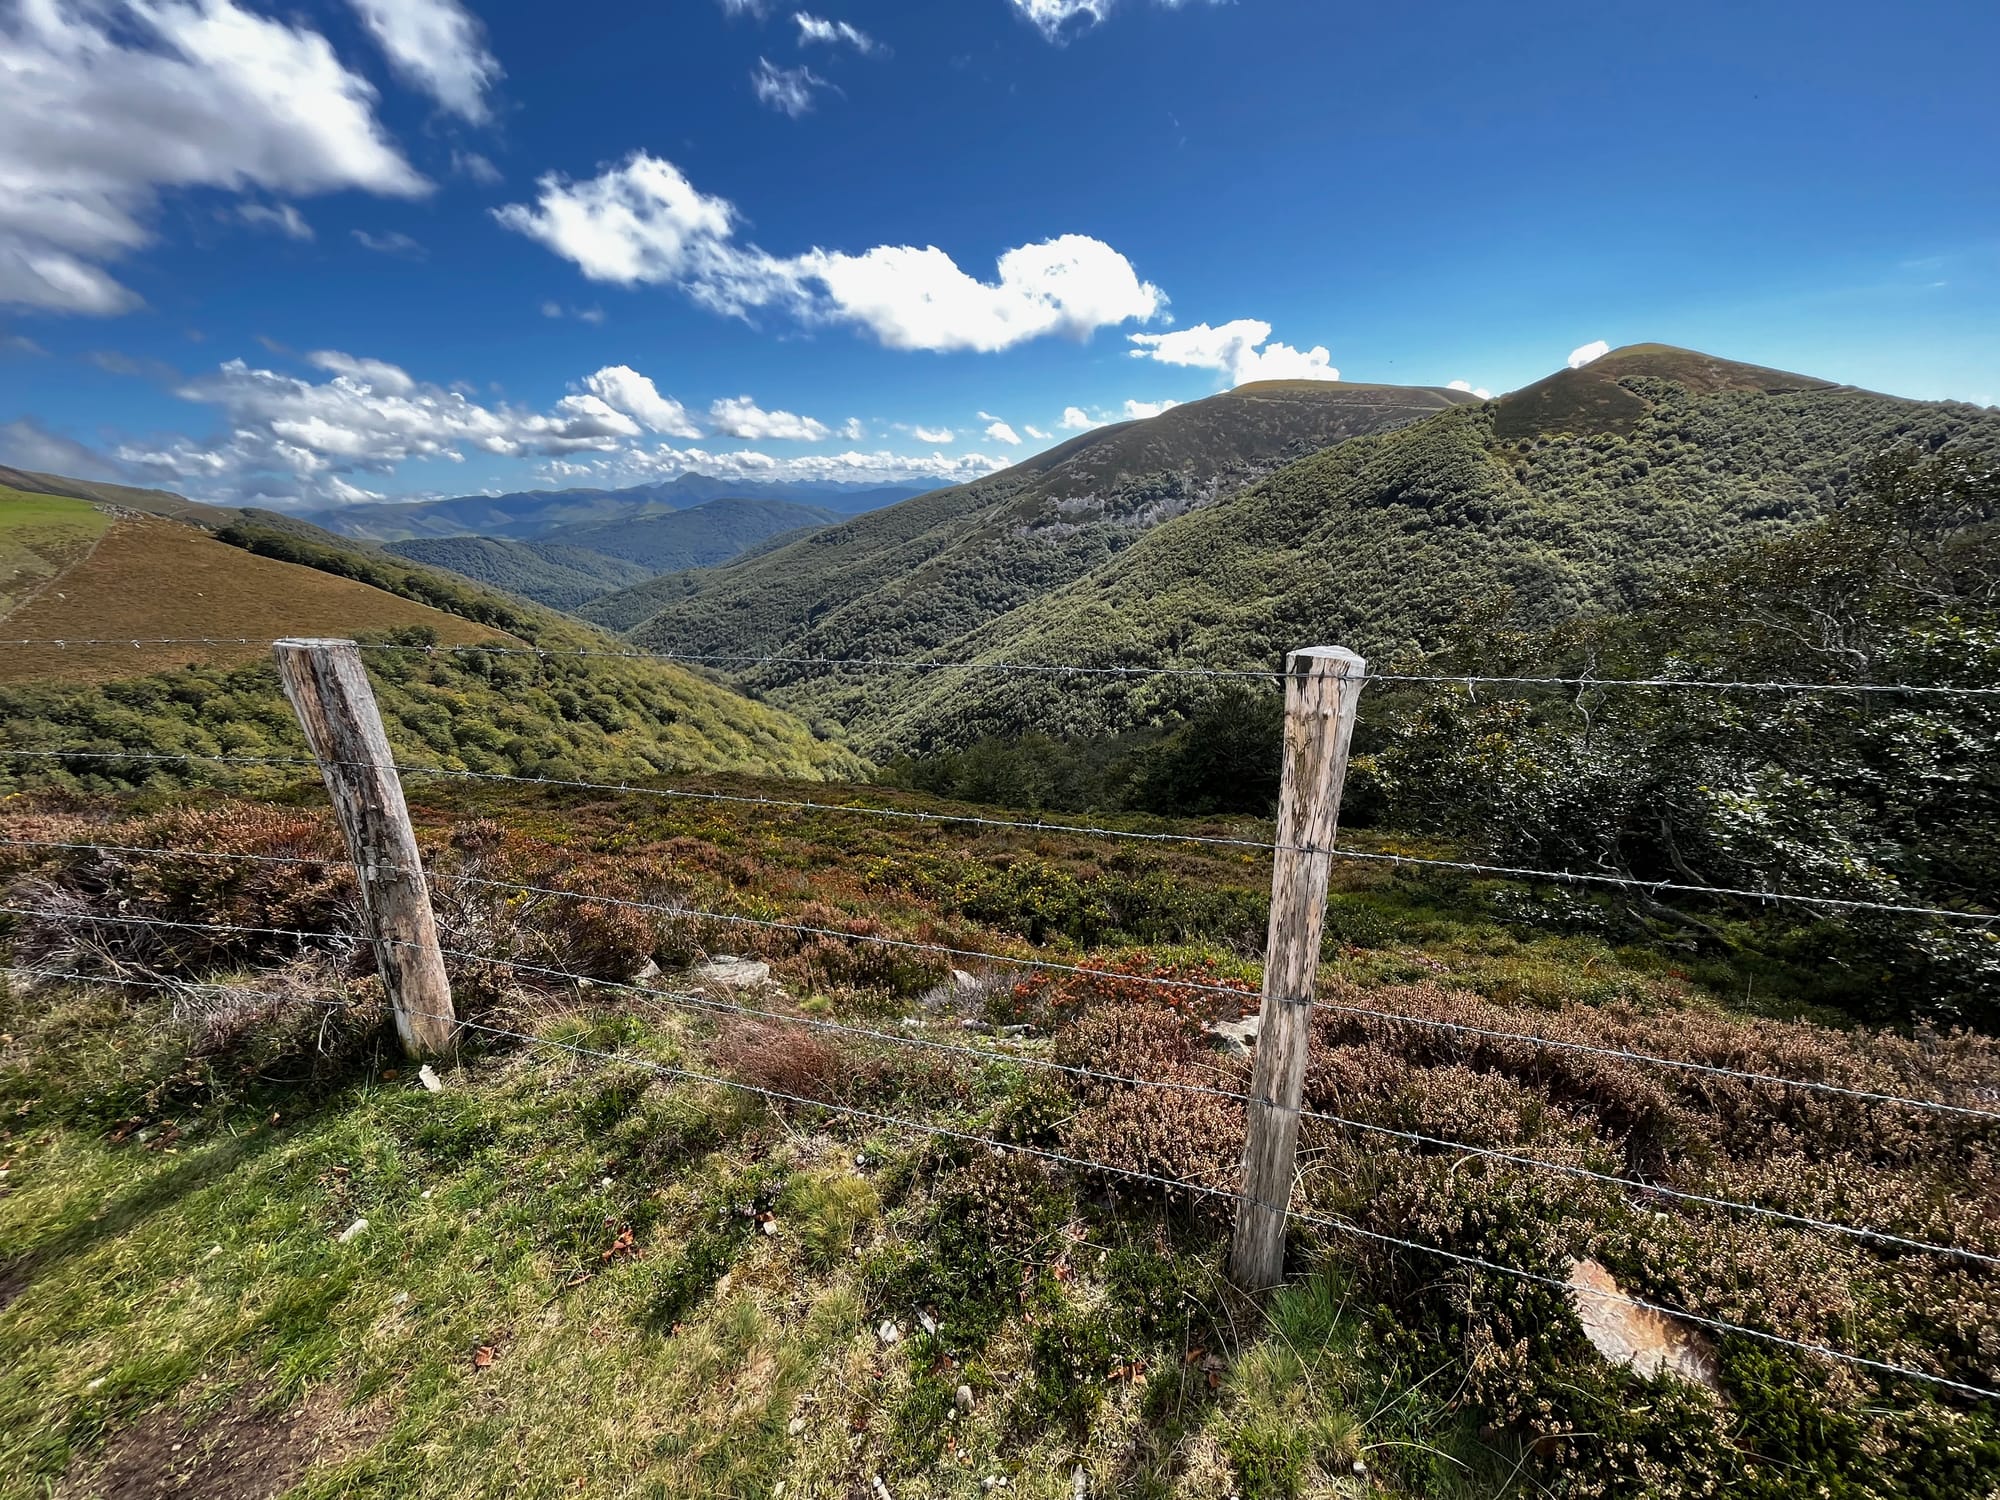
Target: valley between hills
(853,1086)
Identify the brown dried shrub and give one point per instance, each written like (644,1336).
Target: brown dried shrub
(1663,1112)
(291,876)
(791,1060)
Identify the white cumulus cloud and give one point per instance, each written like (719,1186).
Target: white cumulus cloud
(106,103)
(790,91)
(1051,17)
(741,417)
(1138,411)
(624,388)
(289,440)
(1469,388)
(437,46)
(816,29)
(1035,432)
(1000,432)
(933,434)
(1055,18)
(1076,419)
(920,299)
(644,222)
(391,242)
(286,439)
(283,217)
(1583,354)
(1240,350)
(853,466)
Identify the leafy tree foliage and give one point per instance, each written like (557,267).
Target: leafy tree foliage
(1891,798)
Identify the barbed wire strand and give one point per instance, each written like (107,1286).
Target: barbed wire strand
(1413,861)
(1087,971)
(975,1054)
(1238,1097)
(1055,669)
(1339,1226)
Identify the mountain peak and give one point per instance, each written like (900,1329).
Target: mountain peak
(1593,398)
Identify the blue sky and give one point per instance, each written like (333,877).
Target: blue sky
(313,253)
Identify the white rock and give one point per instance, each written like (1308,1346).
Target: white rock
(734,973)
(429,1079)
(1651,1343)
(963,982)
(646,971)
(962,1398)
(1237,1038)
(796,1426)
(888,1333)
(353,1231)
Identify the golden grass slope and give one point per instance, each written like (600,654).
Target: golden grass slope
(69,571)
(40,536)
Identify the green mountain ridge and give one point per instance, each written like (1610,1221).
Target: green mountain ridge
(1651,459)
(913,576)
(96,568)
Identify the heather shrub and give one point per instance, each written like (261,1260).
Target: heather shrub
(843,955)
(1592,1432)
(1187,1130)
(1197,989)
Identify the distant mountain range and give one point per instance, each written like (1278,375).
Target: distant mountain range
(531,514)
(568,567)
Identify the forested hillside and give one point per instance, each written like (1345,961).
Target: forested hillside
(911,577)
(546,572)
(166,628)
(1382,542)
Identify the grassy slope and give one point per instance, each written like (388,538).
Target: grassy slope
(149,577)
(570,715)
(915,575)
(168,1234)
(1380,543)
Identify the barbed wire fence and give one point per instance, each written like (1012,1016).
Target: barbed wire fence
(329,690)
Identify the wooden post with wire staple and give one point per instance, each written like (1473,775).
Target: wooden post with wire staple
(329,691)
(1322,689)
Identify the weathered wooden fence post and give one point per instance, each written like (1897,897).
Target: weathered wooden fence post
(336,707)
(1322,688)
